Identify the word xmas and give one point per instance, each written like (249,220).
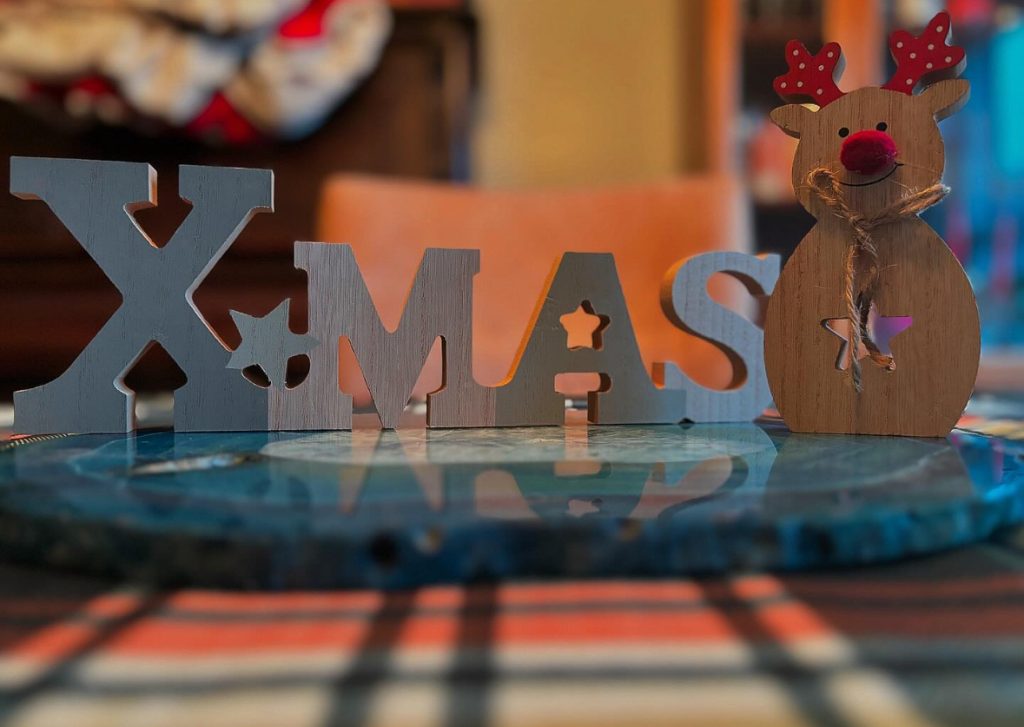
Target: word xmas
(94,200)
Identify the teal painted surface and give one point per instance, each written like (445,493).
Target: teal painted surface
(397,509)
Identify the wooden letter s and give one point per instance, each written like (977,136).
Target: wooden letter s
(685,300)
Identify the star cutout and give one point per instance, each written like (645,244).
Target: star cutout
(267,342)
(882,328)
(578,508)
(584,327)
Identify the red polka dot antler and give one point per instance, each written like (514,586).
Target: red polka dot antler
(811,78)
(925,58)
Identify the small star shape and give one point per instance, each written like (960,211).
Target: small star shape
(883,329)
(584,327)
(579,508)
(267,342)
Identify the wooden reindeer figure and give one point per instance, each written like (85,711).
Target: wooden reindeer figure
(868,162)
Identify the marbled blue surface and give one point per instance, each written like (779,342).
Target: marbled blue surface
(395,509)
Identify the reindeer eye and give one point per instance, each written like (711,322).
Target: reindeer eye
(881,126)
(844,132)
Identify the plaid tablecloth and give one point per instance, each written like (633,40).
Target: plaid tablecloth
(935,641)
(932,641)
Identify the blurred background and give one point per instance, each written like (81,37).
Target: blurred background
(638,127)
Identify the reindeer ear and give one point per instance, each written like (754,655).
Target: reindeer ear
(947,97)
(792,118)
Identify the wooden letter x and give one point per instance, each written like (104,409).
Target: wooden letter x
(94,200)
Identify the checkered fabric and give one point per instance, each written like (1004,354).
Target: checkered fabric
(934,641)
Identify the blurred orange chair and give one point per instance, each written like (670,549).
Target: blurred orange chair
(521,235)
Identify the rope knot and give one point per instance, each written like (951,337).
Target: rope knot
(825,184)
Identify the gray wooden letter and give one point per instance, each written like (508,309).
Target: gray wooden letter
(94,200)
(627,394)
(440,304)
(685,300)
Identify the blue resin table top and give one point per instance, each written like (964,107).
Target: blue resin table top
(416,506)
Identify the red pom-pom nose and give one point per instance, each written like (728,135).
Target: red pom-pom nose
(868,152)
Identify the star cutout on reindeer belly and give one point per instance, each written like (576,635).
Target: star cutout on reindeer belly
(584,327)
(882,328)
(267,342)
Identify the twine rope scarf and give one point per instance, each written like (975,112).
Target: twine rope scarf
(827,187)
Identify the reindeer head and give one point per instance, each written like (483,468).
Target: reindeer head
(879,142)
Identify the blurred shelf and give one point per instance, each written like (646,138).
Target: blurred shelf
(780,33)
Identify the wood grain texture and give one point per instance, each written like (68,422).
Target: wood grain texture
(686,302)
(269,343)
(439,305)
(94,200)
(937,356)
(627,394)
(521,234)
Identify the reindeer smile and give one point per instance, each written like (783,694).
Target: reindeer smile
(895,166)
